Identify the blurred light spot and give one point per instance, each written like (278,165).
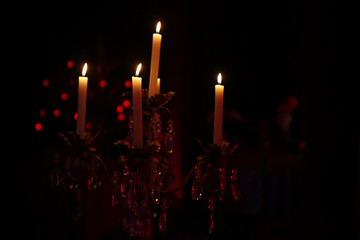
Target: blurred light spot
(46,83)
(64,96)
(57,113)
(70,64)
(127,83)
(119,109)
(302,145)
(75,116)
(72,82)
(88,125)
(121,117)
(102,83)
(126,103)
(38,127)
(42,112)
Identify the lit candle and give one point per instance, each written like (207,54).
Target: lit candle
(80,123)
(155,58)
(137,109)
(218,111)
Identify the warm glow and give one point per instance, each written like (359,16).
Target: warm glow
(158,25)
(102,83)
(38,127)
(219,78)
(84,70)
(138,70)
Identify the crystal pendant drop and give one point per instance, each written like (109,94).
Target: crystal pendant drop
(222,176)
(169,145)
(90,183)
(234,189)
(211,207)
(196,191)
(124,187)
(141,227)
(155,183)
(130,135)
(211,222)
(156,126)
(162,221)
(115,197)
(133,226)
(235,192)
(126,222)
(116,176)
(163,217)
(55,177)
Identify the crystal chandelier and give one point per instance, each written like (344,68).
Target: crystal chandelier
(144,172)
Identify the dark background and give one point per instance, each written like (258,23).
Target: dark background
(266,51)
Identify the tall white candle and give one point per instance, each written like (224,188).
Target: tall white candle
(155,59)
(218,111)
(81,113)
(137,109)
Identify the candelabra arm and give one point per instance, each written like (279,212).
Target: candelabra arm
(186,179)
(104,165)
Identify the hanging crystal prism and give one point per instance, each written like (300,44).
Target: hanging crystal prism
(163,217)
(234,188)
(211,207)
(222,176)
(156,126)
(130,135)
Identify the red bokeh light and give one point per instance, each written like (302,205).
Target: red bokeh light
(121,117)
(70,64)
(88,126)
(127,83)
(38,127)
(302,145)
(46,83)
(126,103)
(102,83)
(75,116)
(57,113)
(119,109)
(64,96)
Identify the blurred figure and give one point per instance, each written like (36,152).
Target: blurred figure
(283,119)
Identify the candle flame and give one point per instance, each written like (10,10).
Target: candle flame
(84,70)
(138,70)
(158,25)
(219,78)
